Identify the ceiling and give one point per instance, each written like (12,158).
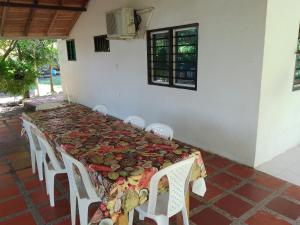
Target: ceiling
(39,18)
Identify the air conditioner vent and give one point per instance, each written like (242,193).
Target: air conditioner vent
(120,24)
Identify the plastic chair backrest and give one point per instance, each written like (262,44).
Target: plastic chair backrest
(33,141)
(176,174)
(136,121)
(47,149)
(71,164)
(101,109)
(161,129)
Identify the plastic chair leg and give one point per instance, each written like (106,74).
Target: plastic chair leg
(32,154)
(83,212)
(50,181)
(39,162)
(130,217)
(185,216)
(73,202)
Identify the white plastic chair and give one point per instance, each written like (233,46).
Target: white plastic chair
(161,130)
(161,207)
(52,165)
(35,151)
(81,188)
(135,121)
(101,109)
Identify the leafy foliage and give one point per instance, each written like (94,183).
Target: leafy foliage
(19,61)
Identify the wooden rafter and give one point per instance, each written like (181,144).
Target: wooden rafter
(29,20)
(2,21)
(42,6)
(54,18)
(76,18)
(73,23)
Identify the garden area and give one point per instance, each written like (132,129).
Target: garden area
(28,68)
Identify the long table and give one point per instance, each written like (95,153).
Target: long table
(120,159)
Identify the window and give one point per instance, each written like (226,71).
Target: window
(297,68)
(173,56)
(101,43)
(71,50)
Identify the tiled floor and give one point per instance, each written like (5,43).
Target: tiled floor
(285,166)
(236,194)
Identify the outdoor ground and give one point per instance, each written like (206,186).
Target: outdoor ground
(44,88)
(236,194)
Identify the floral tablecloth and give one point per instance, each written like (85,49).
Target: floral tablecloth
(120,159)
(33,104)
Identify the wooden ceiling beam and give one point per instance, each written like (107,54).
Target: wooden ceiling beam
(54,18)
(29,20)
(42,6)
(76,17)
(3,16)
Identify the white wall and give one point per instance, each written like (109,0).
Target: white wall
(222,115)
(279,120)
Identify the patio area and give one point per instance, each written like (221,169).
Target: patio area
(179,111)
(236,194)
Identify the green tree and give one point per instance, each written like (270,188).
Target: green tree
(19,63)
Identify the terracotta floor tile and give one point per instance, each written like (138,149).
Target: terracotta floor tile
(6,179)
(26,219)
(268,181)
(61,177)
(264,218)
(209,217)
(224,180)
(3,168)
(40,196)
(194,203)
(210,170)
(285,207)
(205,155)
(241,171)
(22,154)
(233,205)
(21,164)
(62,208)
(252,192)
(12,206)
(218,162)
(65,184)
(293,191)
(25,173)
(211,192)
(33,183)
(66,221)
(9,190)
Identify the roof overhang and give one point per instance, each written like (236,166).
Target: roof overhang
(39,18)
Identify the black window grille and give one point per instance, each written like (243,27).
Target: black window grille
(71,50)
(173,56)
(296,85)
(101,43)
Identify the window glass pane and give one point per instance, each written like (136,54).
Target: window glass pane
(297,72)
(71,49)
(160,50)
(297,66)
(185,59)
(172,56)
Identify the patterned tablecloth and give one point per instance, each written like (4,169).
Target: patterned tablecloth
(32,104)
(120,159)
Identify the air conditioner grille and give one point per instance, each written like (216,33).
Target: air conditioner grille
(111,23)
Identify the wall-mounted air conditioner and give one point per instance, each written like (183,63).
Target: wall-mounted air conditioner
(120,24)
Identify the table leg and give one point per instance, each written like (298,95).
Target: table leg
(123,219)
(187,202)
